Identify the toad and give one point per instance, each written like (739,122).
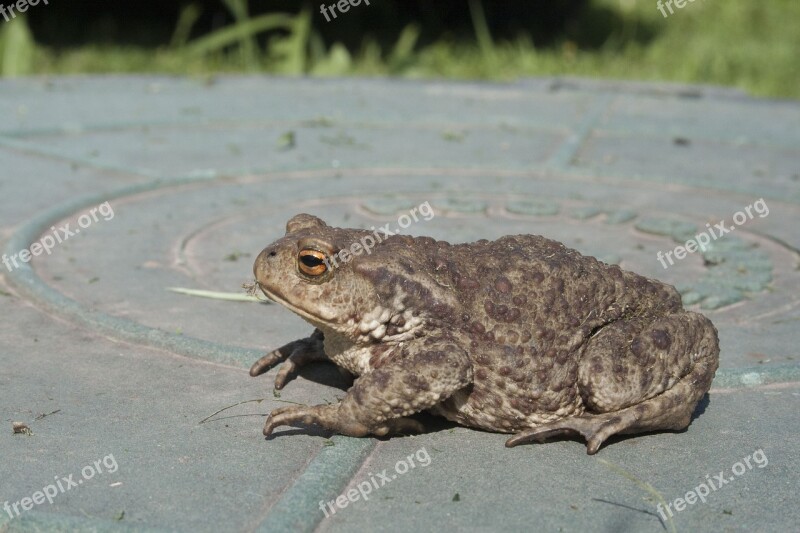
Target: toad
(520,335)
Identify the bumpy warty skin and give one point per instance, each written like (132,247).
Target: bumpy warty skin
(514,335)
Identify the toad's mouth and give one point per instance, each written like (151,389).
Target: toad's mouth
(308,317)
(268,294)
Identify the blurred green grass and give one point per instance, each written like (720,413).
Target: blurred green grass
(749,44)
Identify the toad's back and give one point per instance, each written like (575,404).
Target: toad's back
(529,280)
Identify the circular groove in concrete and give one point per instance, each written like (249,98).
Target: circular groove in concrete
(30,285)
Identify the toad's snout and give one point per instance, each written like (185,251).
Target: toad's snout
(263,265)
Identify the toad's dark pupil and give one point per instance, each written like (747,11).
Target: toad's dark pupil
(311,261)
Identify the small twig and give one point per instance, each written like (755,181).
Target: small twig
(41,416)
(295,403)
(643,485)
(237,416)
(257,400)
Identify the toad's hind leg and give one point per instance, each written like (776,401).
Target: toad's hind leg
(653,384)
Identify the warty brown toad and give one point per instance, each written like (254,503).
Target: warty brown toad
(519,335)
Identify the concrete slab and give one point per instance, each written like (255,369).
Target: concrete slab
(200,175)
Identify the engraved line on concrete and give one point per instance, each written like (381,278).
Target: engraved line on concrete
(35,149)
(31,286)
(562,158)
(326,476)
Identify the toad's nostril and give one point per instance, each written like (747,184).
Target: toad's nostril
(273,253)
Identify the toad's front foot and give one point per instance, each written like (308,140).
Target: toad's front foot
(294,355)
(331,417)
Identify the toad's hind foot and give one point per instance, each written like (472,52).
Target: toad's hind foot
(671,410)
(595,429)
(691,341)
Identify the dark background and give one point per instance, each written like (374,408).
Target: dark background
(151,22)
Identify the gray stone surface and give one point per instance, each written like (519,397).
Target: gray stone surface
(201,175)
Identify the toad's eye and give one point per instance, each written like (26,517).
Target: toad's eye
(312,262)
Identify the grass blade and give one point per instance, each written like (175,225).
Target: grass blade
(248,44)
(186,21)
(220,39)
(213,295)
(482,33)
(402,53)
(17,48)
